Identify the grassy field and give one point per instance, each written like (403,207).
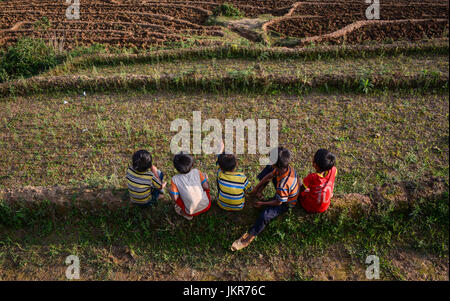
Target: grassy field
(88,141)
(391,193)
(68,139)
(402,64)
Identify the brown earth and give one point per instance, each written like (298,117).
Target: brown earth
(335,264)
(142,23)
(402,194)
(339,21)
(120,24)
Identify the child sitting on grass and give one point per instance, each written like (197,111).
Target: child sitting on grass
(145,181)
(231,185)
(189,189)
(287,187)
(317,188)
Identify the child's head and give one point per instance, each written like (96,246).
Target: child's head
(284,158)
(183,162)
(227,162)
(323,160)
(142,160)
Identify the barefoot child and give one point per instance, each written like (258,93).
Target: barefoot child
(317,188)
(189,189)
(145,181)
(287,187)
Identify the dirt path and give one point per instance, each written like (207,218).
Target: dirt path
(402,193)
(336,264)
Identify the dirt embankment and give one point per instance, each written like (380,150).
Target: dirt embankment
(402,194)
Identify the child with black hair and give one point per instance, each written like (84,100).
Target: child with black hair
(189,189)
(145,181)
(286,184)
(317,188)
(231,185)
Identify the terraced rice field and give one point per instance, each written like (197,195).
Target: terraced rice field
(143,23)
(346,21)
(137,23)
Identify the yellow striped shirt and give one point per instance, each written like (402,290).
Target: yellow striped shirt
(231,187)
(141,184)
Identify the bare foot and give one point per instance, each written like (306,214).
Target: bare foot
(242,242)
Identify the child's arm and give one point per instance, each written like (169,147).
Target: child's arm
(205,186)
(154,170)
(306,182)
(204,179)
(263,181)
(275,202)
(267,178)
(174,193)
(247,186)
(281,196)
(221,148)
(219,152)
(157,182)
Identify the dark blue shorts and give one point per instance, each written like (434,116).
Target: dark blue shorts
(268,214)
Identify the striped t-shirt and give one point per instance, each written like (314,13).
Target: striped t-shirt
(287,186)
(140,185)
(231,187)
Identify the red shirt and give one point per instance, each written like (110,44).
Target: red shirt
(319,190)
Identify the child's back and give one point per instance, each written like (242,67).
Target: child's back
(319,190)
(189,188)
(318,187)
(231,186)
(143,179)
(287,186)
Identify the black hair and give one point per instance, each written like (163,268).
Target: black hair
(324,159)
(142,160)
(227,162)
(284,158)
(183,162)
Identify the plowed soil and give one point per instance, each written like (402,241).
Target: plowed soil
(120,23)
(340,21)
(144,23)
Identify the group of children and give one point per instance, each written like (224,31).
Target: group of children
(190,191)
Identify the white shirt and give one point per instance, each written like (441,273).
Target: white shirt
(191,191)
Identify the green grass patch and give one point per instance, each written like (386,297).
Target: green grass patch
(228,10)
(26,58)
(159,236)
(68,139)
